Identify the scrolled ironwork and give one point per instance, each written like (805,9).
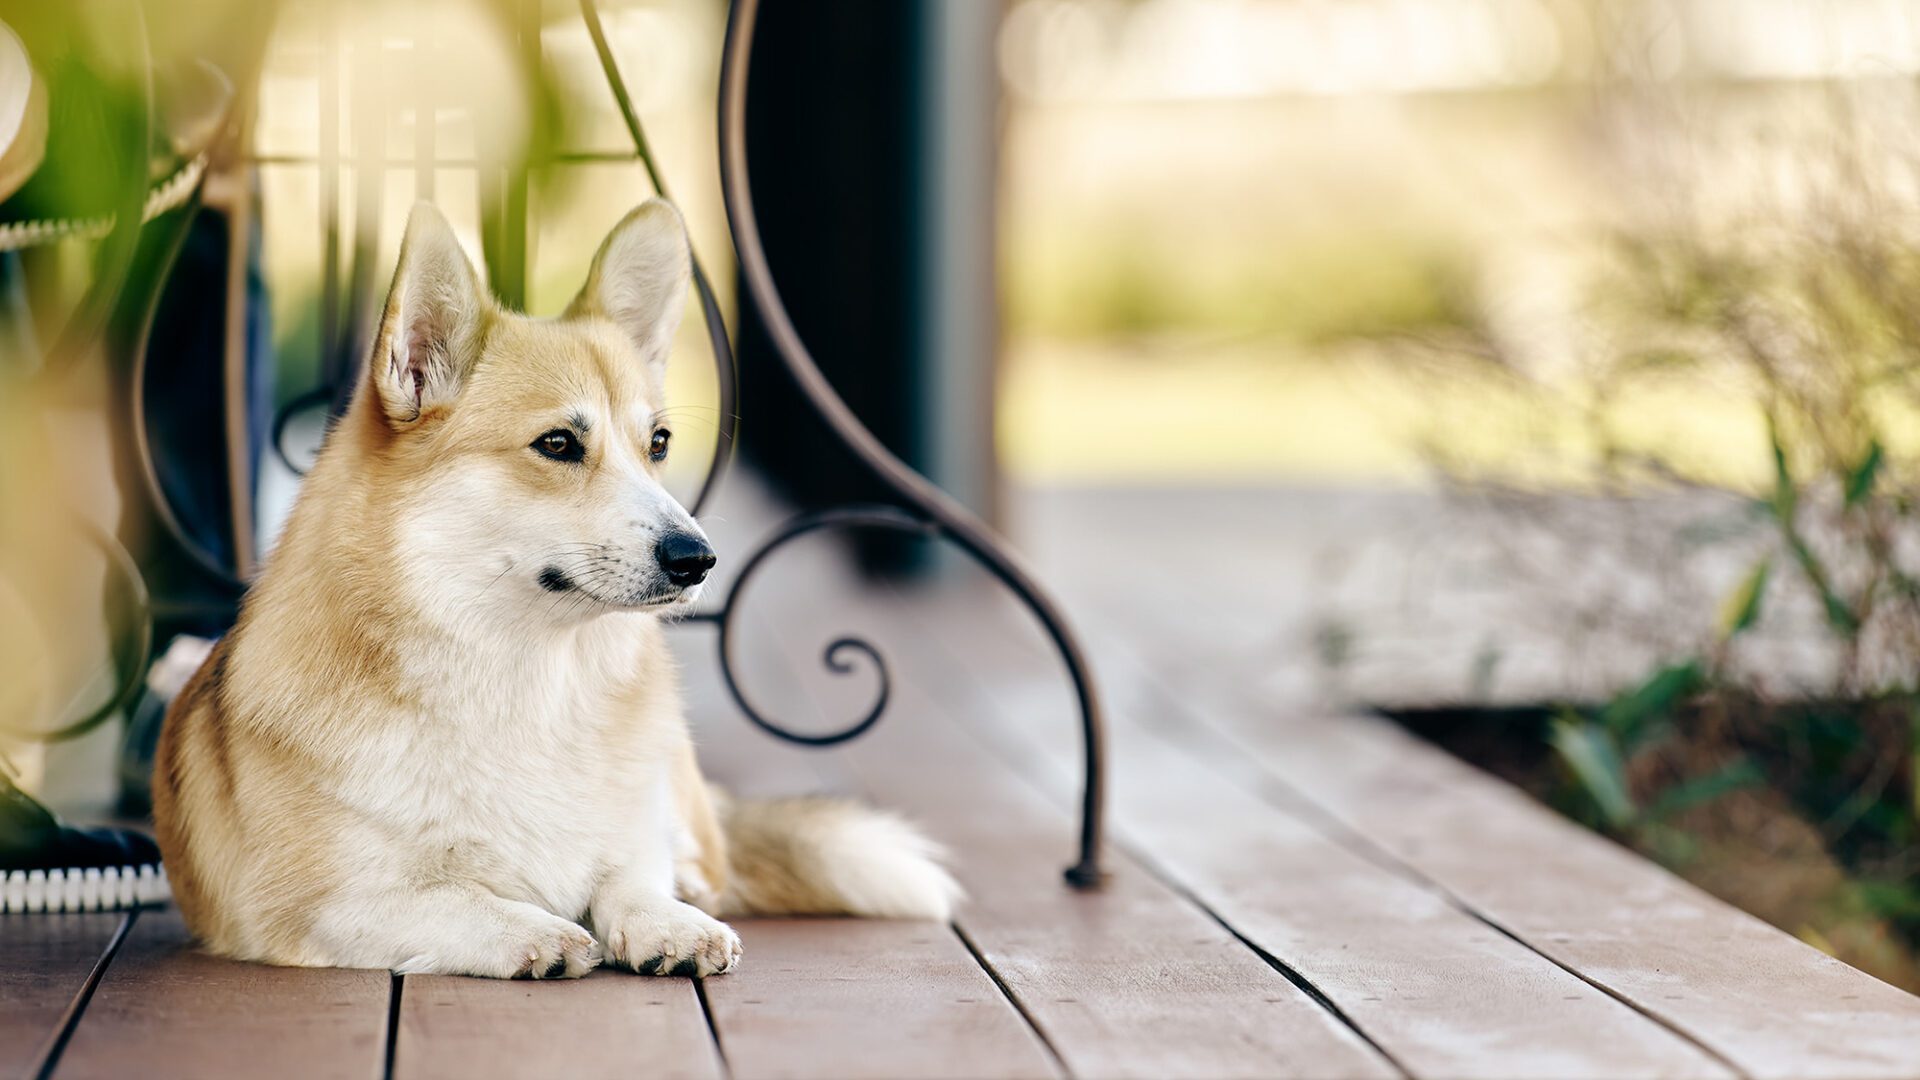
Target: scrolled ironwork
(924,507)
(834,657)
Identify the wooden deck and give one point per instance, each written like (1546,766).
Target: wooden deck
(1293,894)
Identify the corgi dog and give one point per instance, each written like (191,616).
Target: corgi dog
(445,735)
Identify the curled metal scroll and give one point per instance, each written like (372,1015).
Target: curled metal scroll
(924,507)
(836,656)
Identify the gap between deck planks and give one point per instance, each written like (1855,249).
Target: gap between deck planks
(1758,998)
(1493,1007)
(163,1009)
(47,963)
(1440,991)
(1131,981)
(842,997)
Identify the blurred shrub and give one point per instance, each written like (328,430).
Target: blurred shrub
(1340,288)
(1807,303)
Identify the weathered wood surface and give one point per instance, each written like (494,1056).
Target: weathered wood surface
(46,963)
(1758,999)
(1131,981)
(1297,895)
(163,1009)
(609,1024)
(1134,980)
(831,998)
(1763,1000)
(857,998)
(1436,987)
(1432,985)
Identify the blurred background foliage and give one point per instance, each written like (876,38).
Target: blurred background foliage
(1647,250)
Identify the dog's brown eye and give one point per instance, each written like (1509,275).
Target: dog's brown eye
(560,445)
(658,448)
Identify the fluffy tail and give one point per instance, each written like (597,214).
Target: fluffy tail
(829,857)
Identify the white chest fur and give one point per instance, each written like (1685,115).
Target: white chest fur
(529,769)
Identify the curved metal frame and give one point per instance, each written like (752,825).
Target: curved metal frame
(923,508)
(845,517)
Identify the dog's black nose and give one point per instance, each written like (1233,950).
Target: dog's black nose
(685,557)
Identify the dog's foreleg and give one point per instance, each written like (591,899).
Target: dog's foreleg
(634,910)
(700,856)
(451,929)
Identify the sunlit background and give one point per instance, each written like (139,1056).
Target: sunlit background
(1236,238)
(1238,234)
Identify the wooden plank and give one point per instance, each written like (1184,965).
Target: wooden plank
(1442,992)
(1130,981)
(611,1023)
(844,997)
(164,1009)
(1133,980)
(1432,985)
(1769,1003)
(45,964)
(1758,998)
(859,998)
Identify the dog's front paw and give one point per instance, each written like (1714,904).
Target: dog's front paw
(527,943)
(668,937)
(558,950)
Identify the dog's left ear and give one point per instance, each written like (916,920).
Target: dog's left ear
(639,279)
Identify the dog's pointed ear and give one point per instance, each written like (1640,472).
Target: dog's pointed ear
(639,279)
(431,328)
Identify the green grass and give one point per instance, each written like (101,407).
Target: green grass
(1327,290)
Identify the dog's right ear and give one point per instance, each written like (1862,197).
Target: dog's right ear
(430,331)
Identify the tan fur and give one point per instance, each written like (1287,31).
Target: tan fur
(407,754)
(703,874)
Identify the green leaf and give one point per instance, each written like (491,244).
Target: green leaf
(1741,608)
(1839,615)
(1860,480)
(1694,791)
(1913,763)
(1594,757)
(1785,496)
(1889,900)
(1627,714)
